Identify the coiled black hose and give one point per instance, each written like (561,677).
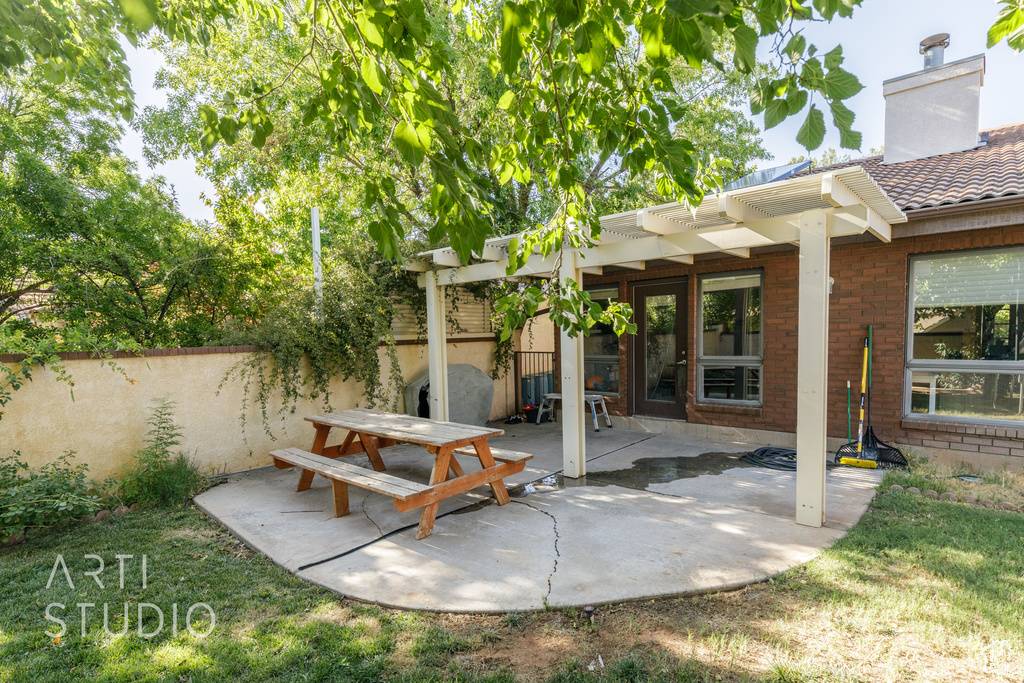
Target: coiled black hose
(782,459)
(773,458)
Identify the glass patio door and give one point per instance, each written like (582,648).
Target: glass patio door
(659,350)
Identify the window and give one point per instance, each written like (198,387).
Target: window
(965,346)
(601,349)
(729,347)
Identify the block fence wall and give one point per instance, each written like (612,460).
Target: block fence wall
(106,422)
(870,288)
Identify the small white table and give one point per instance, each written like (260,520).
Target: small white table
(547,405)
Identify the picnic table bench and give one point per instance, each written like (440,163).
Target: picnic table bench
(371,430)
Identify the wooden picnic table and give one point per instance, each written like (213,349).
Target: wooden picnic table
(371,430)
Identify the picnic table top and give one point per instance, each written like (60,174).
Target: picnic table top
(405,428)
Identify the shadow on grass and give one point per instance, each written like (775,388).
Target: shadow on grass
(268,625)
(271,626)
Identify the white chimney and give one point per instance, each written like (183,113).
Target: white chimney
(933,111)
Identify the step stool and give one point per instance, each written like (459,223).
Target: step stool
(547,405)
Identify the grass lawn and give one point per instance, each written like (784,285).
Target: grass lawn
(920,590)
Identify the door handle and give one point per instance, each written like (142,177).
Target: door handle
(682,362)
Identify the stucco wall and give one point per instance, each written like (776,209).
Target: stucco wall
(106,422)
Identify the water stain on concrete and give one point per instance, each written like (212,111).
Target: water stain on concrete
(646,471)
(642,473)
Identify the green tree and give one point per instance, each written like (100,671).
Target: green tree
(297,168)
(569,67)
(116,253)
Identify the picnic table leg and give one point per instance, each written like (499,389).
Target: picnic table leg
(344,449)
(370,446)
(483,451)
(306,478)
(340,498)
(455,467)
(442,463)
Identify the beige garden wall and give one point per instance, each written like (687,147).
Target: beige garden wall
(106,422)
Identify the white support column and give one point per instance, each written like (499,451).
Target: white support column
(437,348)
(812,368)
(574,445)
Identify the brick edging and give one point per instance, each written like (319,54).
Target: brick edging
(967,428)
(206,350)
(144,353)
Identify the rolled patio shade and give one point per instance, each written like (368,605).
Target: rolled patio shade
(979,279)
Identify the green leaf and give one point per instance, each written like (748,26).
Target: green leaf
(812,133)
(850,139)
(259,137)
(1008,22)
(368,26)
(506,100)
(591,47)
(510,48)
(229,130)
(843,118)
(568,11)
(372,75)
(841,85)
(834,57)
(760,96)
(690,38)
(141,13)
(208,114)
(652,33)
(506,173)
(409,143)
(795,47)
(775,113)
(797,100)
(746,46)
(687,9)
(812,73)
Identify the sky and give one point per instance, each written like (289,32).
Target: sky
(881,41)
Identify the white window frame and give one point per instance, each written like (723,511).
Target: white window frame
(981,367)
(730,361)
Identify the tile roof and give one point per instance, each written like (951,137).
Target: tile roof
(995,169)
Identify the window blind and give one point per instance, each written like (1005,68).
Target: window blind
(977,279)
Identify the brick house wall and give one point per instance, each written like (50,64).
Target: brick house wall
(870,288)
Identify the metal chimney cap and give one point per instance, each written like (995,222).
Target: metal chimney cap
(938,40)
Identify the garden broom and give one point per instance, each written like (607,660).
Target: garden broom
(868,450)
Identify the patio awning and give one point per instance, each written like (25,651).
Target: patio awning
(808,212)
(733,222)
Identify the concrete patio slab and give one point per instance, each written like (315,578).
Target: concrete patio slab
(659,514)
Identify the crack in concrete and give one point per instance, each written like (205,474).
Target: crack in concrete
(367,515)
(554,524)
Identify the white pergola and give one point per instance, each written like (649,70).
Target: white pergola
(806,212)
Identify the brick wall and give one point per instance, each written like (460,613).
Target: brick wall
(870,288)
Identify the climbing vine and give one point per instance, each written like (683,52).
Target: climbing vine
(303,343)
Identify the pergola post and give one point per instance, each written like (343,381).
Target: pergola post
(812,368)
(574,445)
(437,348)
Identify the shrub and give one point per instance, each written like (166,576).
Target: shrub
(161,475)
(31,500)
